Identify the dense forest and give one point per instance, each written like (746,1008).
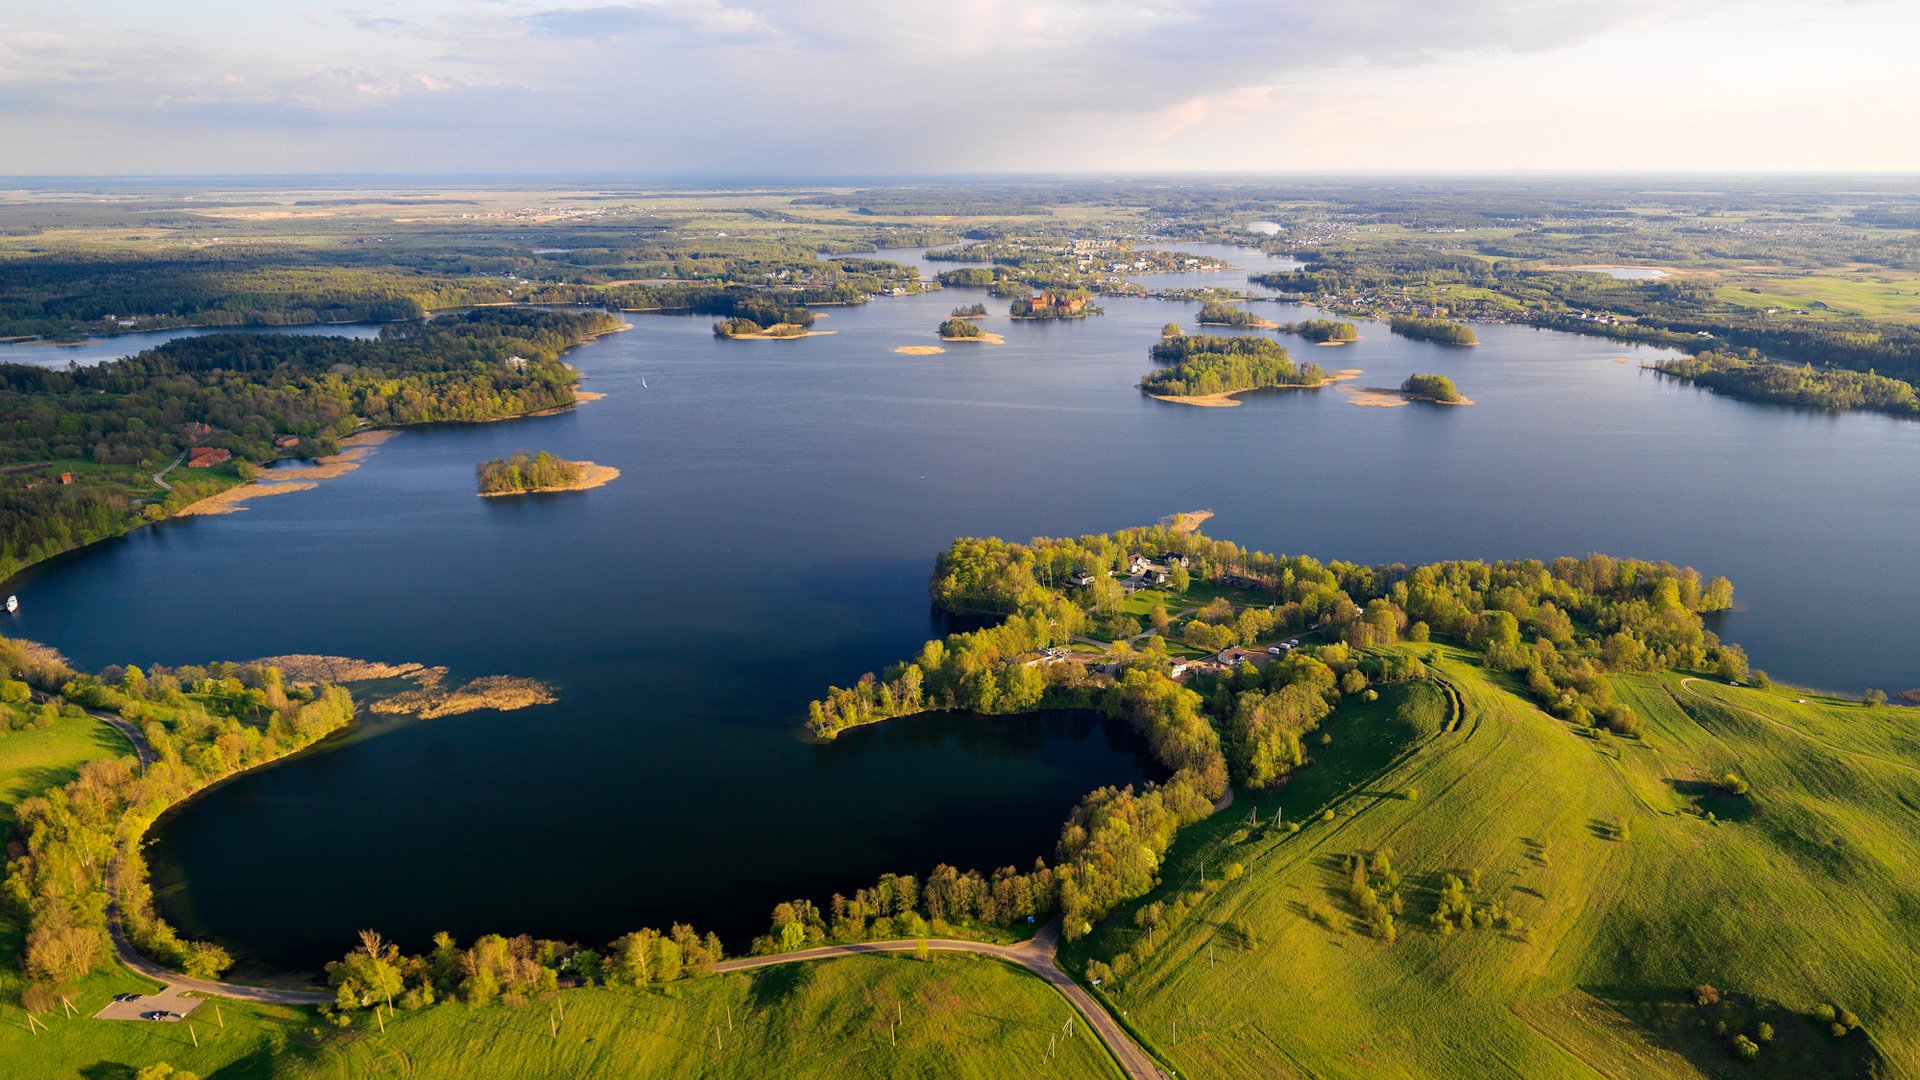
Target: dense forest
(1322,330)
(1431,387)
(1442,331)
(1215,313)
(1198,365)
(114,424)
(1751,375)
(526,472)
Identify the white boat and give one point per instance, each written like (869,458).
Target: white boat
(13,604)
(643,382)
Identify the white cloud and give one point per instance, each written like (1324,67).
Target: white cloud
(855,85)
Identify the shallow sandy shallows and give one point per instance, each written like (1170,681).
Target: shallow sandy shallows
(763,336)
(1387,397)
(429,699)
(983,339)
(918,350)
(1187,521)
(591,476)
(354,449)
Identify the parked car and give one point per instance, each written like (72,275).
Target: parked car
(126,997)
(159,1014)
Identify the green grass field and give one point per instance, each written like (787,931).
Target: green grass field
(953,1016)
(33,761)
(1874,297)
(1802,894)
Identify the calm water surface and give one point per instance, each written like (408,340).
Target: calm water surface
(778,511)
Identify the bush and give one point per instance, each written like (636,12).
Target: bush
(1875,697)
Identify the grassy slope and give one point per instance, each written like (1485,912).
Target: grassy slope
(1812,900)
(33,761)
(959,1016)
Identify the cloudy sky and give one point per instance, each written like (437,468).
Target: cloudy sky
(838,87)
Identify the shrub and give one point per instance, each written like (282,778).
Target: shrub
(1745,1047)
(1705,994)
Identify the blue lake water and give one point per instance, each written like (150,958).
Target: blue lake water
(779,507)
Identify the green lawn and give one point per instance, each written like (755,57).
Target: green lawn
(1869,297)
(33,761)
(1806,893)
(863,1016)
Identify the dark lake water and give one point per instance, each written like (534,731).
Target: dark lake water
(772,531)
(116,346)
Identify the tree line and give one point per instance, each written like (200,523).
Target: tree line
(1750,375)
(1440,331)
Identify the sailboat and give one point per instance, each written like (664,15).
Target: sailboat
(13,604)
(643,382)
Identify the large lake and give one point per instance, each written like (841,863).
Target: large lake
(779,508)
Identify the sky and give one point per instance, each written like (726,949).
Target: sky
(885,87)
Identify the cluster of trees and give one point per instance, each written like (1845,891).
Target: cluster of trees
(1563,626)
(203,724)
(511,970)
(526,472)
(970,311)
(1215,313)
(949,901)
(133,416)
(1321,330)
(1443,331)
(1750,375)
(957,328)
(1454,908)
(743,327)
(1198,365)
(1431,387)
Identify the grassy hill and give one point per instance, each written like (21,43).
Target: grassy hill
(1802,894)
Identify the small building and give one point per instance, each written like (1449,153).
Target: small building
(1080,580)
(1173,559)
(196,431)
(66,478)
(286,442)
(517,363)
(206,457)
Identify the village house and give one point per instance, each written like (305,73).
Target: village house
(1047,303)
(206,457)
(66,478)
(286,442)
(1080,580)
(196,431)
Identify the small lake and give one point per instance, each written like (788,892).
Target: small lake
(119,346)
(1625,273)
(780,506)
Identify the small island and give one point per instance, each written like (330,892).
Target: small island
(1203,370)
(1435,388)
(1051,304)
(744,329)
(971,311)
(1323,331)
(1215,313)
(1439,331)
(958,329)
(527,474)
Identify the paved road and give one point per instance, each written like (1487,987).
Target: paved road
(161,476)
(1036,955)
(177,986)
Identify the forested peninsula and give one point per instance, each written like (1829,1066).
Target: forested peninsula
(81,448)
(1750,375)
(1439,331)
(1226,697)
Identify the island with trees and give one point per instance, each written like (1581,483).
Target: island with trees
(1215,313)
(526,474)
(958,329)
(970,311)
(1438,331)
(1435,388)
(1208,370)
(1323,331)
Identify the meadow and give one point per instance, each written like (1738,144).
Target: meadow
(1625,897)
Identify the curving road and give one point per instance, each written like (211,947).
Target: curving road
(1035,955)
